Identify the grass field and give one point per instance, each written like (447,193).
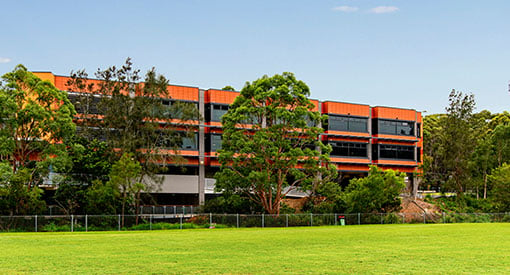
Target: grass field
(419,248)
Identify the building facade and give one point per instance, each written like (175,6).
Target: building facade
(360,135)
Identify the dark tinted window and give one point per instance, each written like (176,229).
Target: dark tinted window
(396,152)
(215,142)
(392,127)
(343,123)
(85,103)
(217,111)
(348,149)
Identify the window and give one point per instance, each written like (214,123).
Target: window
(396,152)
(393,127)
(181,142)
(348,149)
(217,111)
(344,123)
(215,142)
(418,130)
(189,143)
(85,103)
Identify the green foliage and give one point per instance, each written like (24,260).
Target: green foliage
(500,180)
(36,118)
(328,199)
(102,198)
(70,195)
(126,176)
(16,195)
(135,110)
(228,88)
(232,204)
(378,192)
(270,131)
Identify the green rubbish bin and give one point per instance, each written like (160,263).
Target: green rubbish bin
(342,220)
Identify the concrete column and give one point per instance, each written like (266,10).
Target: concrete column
(201,149)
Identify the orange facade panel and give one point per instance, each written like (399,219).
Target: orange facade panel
(220,96)
(349,109)
(394,113)
(350,160)
(349,134)
(183,93)
(46,76)
(347,167)
(395,162)
(335,138)
(316,105)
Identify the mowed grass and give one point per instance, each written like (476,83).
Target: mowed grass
(419,248)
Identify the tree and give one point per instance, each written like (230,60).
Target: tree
(16,198)
(133,116)
(102,198)
(37,119)
(433,169)
(376,193)
(270,137)
(458,139)
(125,175)
(500,180)
(228,88)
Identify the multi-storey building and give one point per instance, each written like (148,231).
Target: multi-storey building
(359,134)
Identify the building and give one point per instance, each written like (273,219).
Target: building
(360,135)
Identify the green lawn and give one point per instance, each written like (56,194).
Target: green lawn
(419,248)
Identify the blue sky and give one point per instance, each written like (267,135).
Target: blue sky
(407,53)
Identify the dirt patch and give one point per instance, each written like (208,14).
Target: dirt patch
(414,209)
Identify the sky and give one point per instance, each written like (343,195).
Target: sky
(400,53)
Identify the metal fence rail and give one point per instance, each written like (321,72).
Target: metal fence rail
(51,223)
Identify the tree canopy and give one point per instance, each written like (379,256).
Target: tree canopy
(270,142)
(36,117)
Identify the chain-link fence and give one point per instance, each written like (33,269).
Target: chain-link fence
(53,223)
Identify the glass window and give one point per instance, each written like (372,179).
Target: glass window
(348,149)
(85,103)
(189,143)
(217,111)
(396,152)
(343,123)
(391,127)
(215,142)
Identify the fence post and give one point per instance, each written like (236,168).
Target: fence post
(35,223)
(118,222)
(381,218)
(237,220)
(403,217)
(444,218)
(286,220)
(424,217)
(262,219)
(311,219)
(72,223)
(335,219)
(150,222)
(86,223)
(180,221)
(359,219)
(210,219)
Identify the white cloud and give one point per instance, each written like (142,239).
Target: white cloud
(384,9)
(5,60)
(345,9)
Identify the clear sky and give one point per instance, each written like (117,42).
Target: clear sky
(404,53)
